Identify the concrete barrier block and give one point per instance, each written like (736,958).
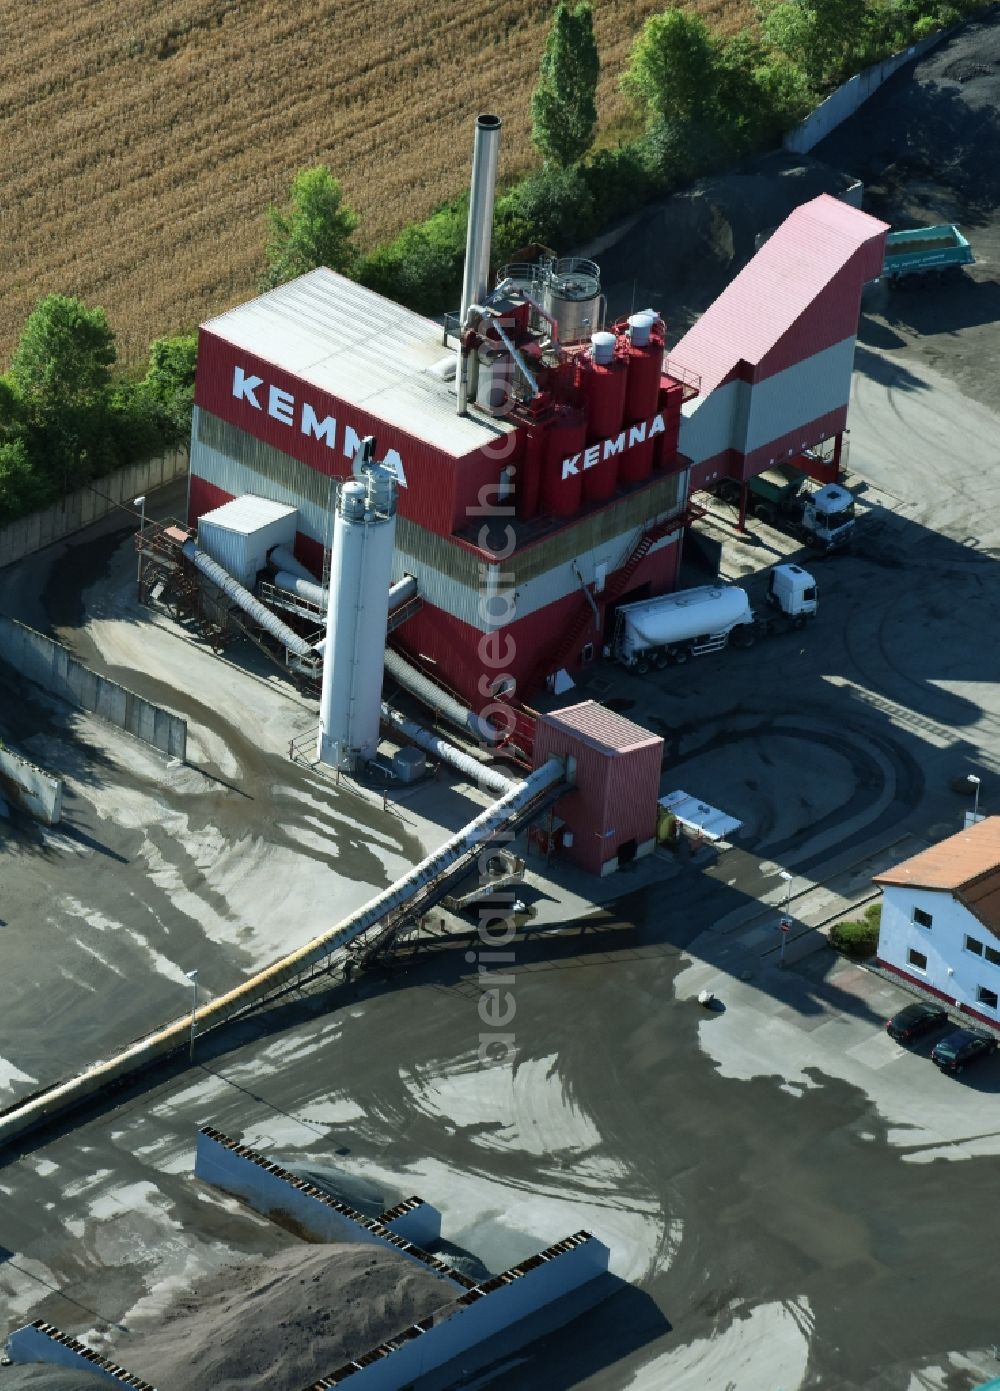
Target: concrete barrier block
(32,788)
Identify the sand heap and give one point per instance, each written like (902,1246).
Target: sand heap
(44,1378)
(282,1322)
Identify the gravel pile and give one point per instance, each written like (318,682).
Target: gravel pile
(43,1378)
(280,1323)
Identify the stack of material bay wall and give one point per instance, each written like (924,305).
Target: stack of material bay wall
(77,510)
(54,667)
(854,93)
(32,788)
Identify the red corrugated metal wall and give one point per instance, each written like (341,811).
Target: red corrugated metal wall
(429,496)
(615,798)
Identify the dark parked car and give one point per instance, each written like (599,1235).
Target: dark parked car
(914,1020)
(964,1046)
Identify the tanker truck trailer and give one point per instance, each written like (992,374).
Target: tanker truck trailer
(692,622)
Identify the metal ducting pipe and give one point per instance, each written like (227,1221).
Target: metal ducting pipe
(53,1101)
(443,704)
(479,235)
(260,614)
(283,559)
(304,589)
(488,778)
(399,593)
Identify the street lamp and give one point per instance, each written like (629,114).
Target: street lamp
(975,807)
(193,978)
(785,922)
(140,502)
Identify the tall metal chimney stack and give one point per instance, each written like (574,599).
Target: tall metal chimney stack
(485,153)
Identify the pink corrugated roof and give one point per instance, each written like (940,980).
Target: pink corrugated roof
(600,727)
(769,295)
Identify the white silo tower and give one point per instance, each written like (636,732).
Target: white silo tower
(360,570)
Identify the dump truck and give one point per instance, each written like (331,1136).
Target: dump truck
(783,496)
(653,633)
(927,252)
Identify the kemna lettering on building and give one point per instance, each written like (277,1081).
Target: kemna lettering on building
(284,407)
(617,444)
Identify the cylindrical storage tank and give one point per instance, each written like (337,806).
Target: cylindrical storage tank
(605,373)
(562,479)
(354,656)
(528,483)
(645,367)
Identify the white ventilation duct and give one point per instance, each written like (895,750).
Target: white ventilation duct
(602,347)
(640,326)
(360,568)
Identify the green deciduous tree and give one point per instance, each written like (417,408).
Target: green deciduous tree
(564,104)
(314,230)
(61,371)
(673,67)
(827,39)
(64,358)
(168,385)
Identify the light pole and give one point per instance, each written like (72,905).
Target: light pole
(975,806)
(785,923)
(140,502)
(193,978)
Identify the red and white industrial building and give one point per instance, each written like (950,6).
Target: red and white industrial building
(524,528)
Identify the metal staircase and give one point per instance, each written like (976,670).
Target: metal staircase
(618,584)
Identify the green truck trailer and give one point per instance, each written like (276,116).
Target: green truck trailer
(783,496)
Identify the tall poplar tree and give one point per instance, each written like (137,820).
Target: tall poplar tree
(564,104)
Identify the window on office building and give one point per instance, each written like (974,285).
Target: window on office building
(921,918)
(987,997)
(917,958)
(972,945)
(992,956)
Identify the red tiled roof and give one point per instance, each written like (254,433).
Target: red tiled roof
(777,288)
(967,865)
(602,728)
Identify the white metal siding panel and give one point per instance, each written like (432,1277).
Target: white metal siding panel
(799,394)
(708,422)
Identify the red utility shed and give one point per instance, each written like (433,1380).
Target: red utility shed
(611,813)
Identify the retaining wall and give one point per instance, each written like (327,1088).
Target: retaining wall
(54,667)
(464,1330)
(852,94)
(273,1191)
(32,788)
(41,1342)
(86,505)
(478,1312)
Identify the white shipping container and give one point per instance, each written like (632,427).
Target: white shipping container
(240,533)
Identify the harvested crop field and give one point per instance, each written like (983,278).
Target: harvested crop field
(142,144)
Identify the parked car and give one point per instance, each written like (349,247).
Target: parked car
(914,1020)
(956,1050)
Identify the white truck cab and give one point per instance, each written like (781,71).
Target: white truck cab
(792,590)
(828,515)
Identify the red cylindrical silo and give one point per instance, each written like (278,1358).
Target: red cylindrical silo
(645,366)
(604,386)
(562,479)
(529,472)
(645,338)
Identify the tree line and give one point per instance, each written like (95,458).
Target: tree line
(700,101)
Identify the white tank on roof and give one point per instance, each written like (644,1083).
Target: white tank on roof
(691,613)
